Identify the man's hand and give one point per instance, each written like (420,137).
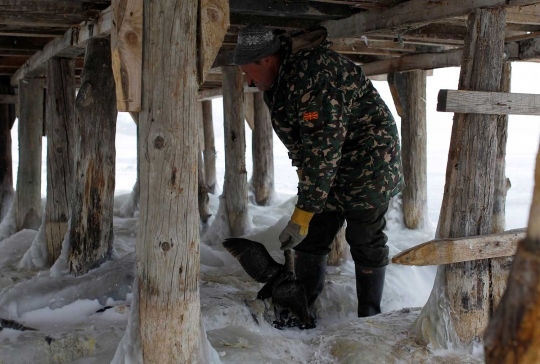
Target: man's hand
(296,230)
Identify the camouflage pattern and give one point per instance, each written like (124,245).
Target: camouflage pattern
(335,126)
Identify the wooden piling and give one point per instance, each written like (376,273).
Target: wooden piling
(459,306)
(262,180)
(236,187)
(467,204)
(7,118)
(209,146)
(59,125)
(202,189)
(409,92)
(28,200)
(91,234)
(512,335)
(168,237)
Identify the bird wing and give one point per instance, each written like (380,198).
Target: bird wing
(254,258)
(291,294)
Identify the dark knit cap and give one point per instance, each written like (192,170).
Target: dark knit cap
(254,43)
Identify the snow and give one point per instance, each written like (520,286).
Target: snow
(235,326)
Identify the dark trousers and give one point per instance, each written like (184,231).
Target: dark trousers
(364,233)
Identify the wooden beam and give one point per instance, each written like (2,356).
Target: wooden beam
(8,99)
(213,25)
(285,23)
(414,62)
(126,53)
(22,44)
(214,93)
(411,13)
(498,103)
(355,45)
(29,33)
(46,7)
(71,45)
(283,8)
(446,251)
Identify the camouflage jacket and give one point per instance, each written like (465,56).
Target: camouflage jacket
(335,126)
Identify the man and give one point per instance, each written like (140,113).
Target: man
(343,139)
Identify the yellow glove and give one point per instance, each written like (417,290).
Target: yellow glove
(296,230)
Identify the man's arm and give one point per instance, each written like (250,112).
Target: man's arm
(323,128)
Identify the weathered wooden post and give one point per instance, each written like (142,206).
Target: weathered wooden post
(459,306)
(262,180)
(512,335)
(91,231)
(235,189)
(500,267)
(202,189)
(7,118)
(209,147)
(168,237)
(409,92)
(28,199)
(502,184)
(59,125)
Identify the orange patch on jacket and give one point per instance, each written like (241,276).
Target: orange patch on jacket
(311,115)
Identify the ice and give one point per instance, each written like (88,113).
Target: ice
(36,257)
(112,279)
(8,225)
(7,200)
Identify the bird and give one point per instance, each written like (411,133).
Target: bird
(281,284)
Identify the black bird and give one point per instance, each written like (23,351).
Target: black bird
(281,283)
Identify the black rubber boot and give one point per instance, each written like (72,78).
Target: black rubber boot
(310,269)
(369,289)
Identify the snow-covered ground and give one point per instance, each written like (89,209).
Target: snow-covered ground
(72,326)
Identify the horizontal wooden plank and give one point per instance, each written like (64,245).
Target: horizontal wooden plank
(8,99)
(214,93)
(424,61)
(283,8)
(71,45)
(446,251)
(412,13)
(498,103)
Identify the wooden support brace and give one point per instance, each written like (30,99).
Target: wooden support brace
(213,25)
(414,62)
(214,93)
(477,102)
(126,52)
(446,251)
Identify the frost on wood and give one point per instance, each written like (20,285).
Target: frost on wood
(37,255)
(8,225)
(434,324)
